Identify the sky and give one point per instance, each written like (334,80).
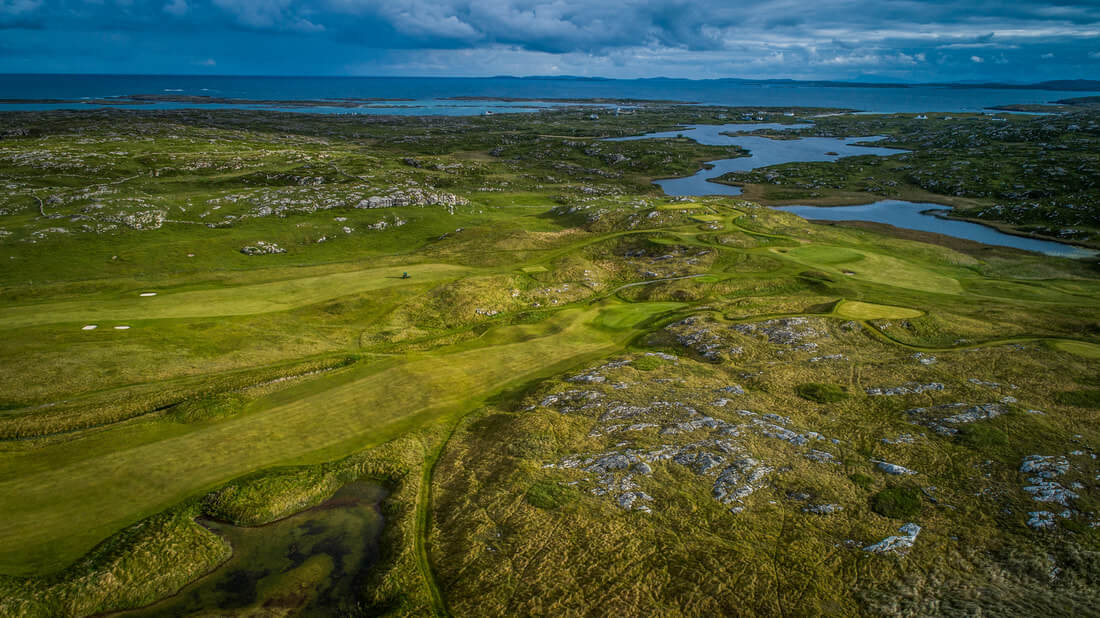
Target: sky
(887,40)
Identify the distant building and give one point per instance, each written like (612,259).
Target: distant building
(593,116)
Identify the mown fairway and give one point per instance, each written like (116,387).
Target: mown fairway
(56,513)
(225,301)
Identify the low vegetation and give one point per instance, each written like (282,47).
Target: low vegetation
(580,395)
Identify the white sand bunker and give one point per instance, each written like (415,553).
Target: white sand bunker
(89,327)
(148,294)
(122,328)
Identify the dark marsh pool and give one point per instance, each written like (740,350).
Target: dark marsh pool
(310,564)
(765,152)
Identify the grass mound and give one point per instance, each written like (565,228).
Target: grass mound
(896,502)
(549,495)
(870,311)
(822,393)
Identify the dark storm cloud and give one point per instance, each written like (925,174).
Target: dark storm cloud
(899,39)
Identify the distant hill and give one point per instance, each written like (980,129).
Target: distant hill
(1073,85)
(1081,101)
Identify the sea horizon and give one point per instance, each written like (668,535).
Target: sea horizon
(411,95)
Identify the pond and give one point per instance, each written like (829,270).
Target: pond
(309,564)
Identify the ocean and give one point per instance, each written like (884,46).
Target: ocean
(427,95)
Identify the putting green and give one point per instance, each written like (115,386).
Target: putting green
(238,300)
(61,500)
(533,269)
(706,218)
(680,206)
(870,311)
(1080,348)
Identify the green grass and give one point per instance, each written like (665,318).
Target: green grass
(1080,348)
(619,317)
(982,437)
(897,502)
(1086,398)
(874,267)
(648,363)
(861,480)
(220,302)
(869,311)
(549,495)
(209,408)
(822,393)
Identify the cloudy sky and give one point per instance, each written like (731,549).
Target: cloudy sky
(888,40)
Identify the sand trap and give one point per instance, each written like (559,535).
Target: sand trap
(89,327)
(148,294)
(122,328)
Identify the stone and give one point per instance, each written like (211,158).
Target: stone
(893,469)
(896,543)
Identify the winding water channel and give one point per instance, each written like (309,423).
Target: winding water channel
(764,152)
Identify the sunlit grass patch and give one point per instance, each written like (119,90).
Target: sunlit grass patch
(1080,348)
(869,311)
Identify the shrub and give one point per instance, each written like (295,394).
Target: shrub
(647,363)
(896,502)
(549,495)
(861,480)
(822,393)
(196,410)
(982,436)
(1089,398)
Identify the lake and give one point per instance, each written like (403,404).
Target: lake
(764,152)
(919,216)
